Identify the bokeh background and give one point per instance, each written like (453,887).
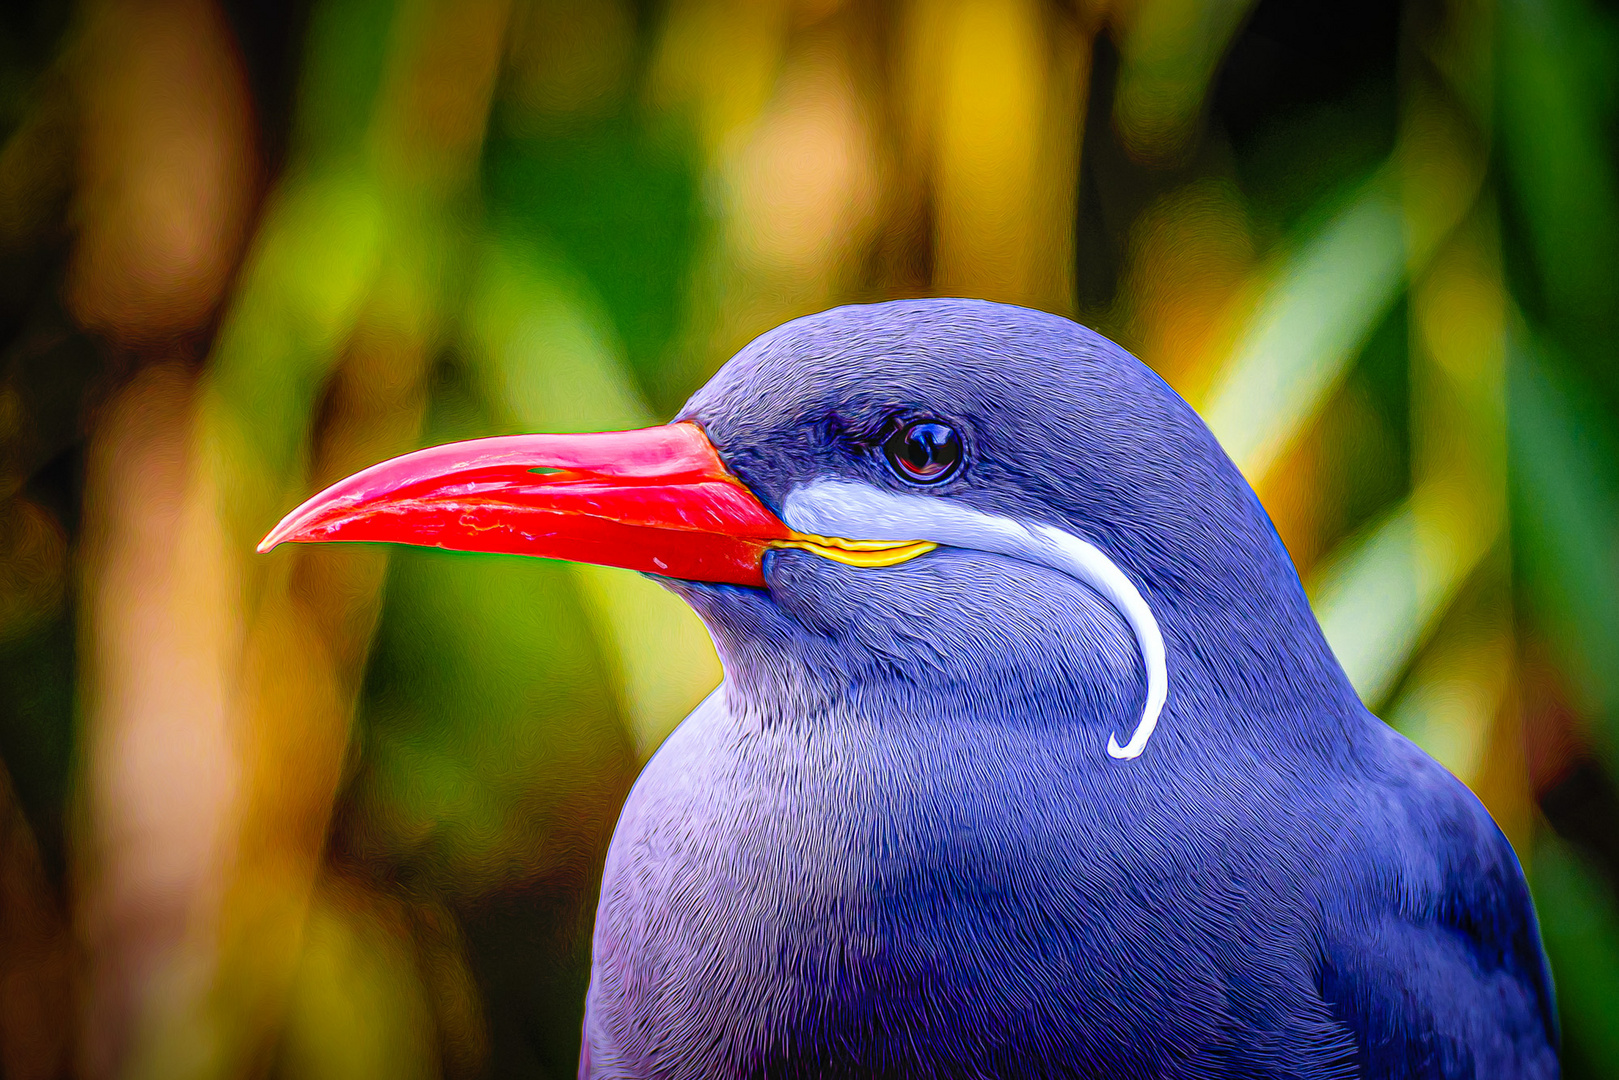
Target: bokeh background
(340,812)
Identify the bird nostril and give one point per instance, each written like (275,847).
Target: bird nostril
(924,451)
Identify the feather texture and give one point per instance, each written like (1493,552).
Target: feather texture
(889,844)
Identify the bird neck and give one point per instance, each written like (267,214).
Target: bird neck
(1014,648)
(1236,619)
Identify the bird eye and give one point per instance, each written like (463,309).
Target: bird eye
(924,451)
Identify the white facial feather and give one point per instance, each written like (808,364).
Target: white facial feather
(857,511)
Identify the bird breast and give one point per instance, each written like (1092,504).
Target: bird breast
(786,892)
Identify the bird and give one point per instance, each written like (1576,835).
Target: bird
(1029,758)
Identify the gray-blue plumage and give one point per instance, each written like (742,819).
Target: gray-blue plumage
(893,842)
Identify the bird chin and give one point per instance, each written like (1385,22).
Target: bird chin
(972,635)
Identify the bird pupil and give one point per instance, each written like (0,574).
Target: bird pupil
(925,450)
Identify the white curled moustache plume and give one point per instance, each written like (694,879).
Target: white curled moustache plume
(850,509)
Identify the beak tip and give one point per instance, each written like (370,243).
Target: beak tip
(279,535)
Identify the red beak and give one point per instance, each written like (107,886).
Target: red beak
(658,500)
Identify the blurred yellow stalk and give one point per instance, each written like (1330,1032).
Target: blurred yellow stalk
(233,734)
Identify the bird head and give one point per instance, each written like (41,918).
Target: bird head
(947,492)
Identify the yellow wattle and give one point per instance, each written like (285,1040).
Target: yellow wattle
(867,554)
